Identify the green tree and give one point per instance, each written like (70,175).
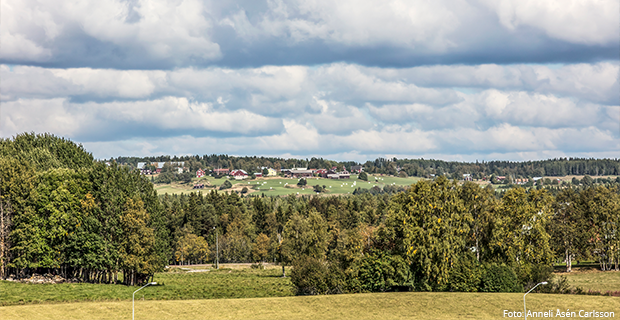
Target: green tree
(569,229)
(363,176)
(428,225)
(261,248)
(192,248)
(226,185)
(137,246)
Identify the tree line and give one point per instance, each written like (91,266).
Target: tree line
(408,167)
(63,212)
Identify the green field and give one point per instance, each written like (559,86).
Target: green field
(278,186)
(239,292)
(593,280)
(406,305)
(212,284)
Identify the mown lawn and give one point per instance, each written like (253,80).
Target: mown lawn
(220,284)
(384,306)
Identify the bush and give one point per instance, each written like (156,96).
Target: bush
(310,276)
(302,182)
(531,274)
(244,190)
(363,176)
(226,185)
(499,278)
(466,274)
(380,272)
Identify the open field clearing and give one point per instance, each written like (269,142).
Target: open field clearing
(589,279)
(203,283)
(406,305)
(278,186)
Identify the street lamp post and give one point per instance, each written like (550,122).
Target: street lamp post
(524,309)
(133,302)
(217,250)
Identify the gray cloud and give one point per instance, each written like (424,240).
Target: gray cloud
(146,35)
(450,79)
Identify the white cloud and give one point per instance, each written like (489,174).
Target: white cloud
(112,120)
(578,21)
(173,30)
(330,109)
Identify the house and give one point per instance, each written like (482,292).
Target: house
(272,172)
(159,166)
(218,172)
(467,177)
(357,169)
(521,181)
(258,174)
(339,175)
(321,172)
(200,173)
(142,167)
(239,174)
(296,173)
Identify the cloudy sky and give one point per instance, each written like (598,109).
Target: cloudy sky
(346,80)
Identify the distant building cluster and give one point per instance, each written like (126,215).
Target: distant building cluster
(157,167)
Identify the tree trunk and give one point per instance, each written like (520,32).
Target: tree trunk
(569,261)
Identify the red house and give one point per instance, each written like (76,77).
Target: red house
(200,173)
(221,171)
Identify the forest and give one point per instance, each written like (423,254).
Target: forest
(63,212)
(407,167)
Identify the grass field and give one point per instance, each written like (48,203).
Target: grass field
(591,279)
(213,284)
(239,292)
(385,306)
(278,186)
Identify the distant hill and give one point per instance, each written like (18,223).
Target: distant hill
(411,167)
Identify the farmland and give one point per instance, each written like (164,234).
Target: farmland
(278,186)
(405,305)
(237,291)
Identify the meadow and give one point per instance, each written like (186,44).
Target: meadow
(278,186)
(240,292)
(180,283)
(385,306)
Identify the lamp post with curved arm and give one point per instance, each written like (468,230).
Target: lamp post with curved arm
(133,302)
(524,309)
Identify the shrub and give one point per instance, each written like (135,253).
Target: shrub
(363,176)
(302,182)
(226,185)
(244,190)
(380,272)
(310,276)
(466,274)
(531,274)
(499,278)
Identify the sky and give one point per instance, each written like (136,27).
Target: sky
(343,80)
